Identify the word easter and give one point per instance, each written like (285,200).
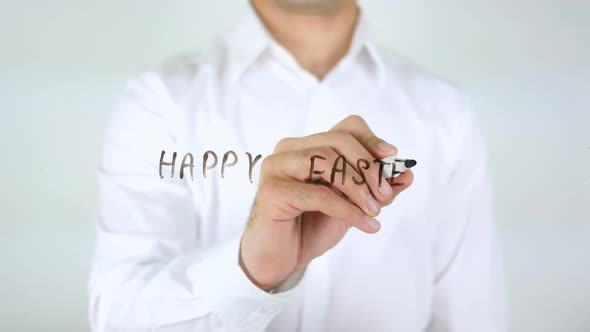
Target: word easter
(210,161)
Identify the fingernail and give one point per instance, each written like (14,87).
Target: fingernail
(385,189)
(373,224)
(372,204)
(385,147)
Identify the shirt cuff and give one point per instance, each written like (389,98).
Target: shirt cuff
(231,294)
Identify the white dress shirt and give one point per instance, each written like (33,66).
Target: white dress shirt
(167,248)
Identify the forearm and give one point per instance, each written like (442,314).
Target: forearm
(203,288)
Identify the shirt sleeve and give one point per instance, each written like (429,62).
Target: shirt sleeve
(150,270)
(469,288)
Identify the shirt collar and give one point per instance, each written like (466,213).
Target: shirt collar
(251,38)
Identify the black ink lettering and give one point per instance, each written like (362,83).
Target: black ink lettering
(252,164)
(224,163)
(163,163)
(336,170)
(311,170)
(392,182)
(205,158)
(361,172)
(191,165)
(381,165)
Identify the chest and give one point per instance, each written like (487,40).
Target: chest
(386,276)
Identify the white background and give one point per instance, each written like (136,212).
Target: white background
(526,65)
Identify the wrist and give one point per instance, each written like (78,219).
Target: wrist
(263,280)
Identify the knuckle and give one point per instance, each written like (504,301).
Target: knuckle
(356,119)
(304,159)
(304,155)
(339,135)
(267,164)
(326,152)
(323,157)
(283,143)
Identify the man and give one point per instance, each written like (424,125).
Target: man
(297,81)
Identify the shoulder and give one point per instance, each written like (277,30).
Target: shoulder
(156,103)
(441,106)
(432,96)
(430,91)
(179,71)
(179,75)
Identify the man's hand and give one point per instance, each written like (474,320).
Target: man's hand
(293,221)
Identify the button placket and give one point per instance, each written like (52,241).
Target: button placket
(320,110)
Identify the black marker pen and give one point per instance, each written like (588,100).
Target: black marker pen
(396,165)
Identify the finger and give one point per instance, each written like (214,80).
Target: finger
(399,184)
(325,164)
(311,197)
(356,154)
(359,128)
(377,147)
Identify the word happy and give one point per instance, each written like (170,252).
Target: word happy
(210,161)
